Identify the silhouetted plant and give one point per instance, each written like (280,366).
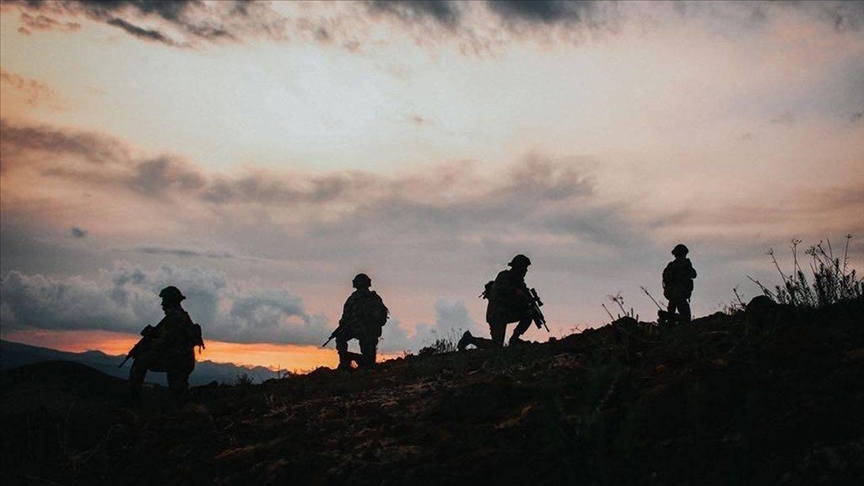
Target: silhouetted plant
(832,280)
(243,379)
(735,306)
(619,299)
(445,344)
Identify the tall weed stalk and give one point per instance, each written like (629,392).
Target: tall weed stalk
(832,279)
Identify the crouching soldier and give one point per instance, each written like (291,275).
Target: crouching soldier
(509,301)
(363,316)
(168,348)
(678,286)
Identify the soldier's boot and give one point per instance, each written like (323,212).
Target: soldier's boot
(520,329)
(368,353)
(515,341)
(466,339)
(344,362)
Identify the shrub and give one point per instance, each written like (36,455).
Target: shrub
(243,379)
(832,280)
(445,344)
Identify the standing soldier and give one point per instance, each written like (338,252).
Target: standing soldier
(363,316)
(169,347)
(509,301)
(678,284)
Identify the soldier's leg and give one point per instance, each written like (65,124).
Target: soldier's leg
(344,355)
(368,351)
(465,340)
(671,307)
(520,329)
(136,379)
(684,309)
(497,331)
(178,383)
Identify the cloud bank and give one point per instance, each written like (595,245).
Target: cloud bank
(479,25)
(126,299)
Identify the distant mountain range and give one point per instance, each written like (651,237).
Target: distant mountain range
(13,355)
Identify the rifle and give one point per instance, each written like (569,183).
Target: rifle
(336,332)
(537,314)
(147,335)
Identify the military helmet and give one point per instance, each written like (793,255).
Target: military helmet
(680,250)
(361,280)
(172,294)
(520,261)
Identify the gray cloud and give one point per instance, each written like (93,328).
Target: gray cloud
(156,176)
(17,141)
(465,22)
(451,320)
(445,12)
(192,18)
(534,180)
(844,16)
(141,33)
(42,22)
(182,252)
(126,299)
(174,11)
(448,203)
(544,11)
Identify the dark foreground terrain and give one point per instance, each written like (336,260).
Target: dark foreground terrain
(768,396)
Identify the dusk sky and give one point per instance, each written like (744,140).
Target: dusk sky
(258,155)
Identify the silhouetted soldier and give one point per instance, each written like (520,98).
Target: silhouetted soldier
(678,284)
(169,347)
(363,316)
(509,301)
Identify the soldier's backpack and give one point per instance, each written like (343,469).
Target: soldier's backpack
(676,279)
(196,337)
(376,311)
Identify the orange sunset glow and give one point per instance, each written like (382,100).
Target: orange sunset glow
(272,356)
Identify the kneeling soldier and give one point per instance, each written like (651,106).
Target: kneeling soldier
(509,301)
(169,347)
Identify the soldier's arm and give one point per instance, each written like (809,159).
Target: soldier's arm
(691,269)
(157,333)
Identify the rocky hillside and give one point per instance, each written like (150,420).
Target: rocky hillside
(773,395)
